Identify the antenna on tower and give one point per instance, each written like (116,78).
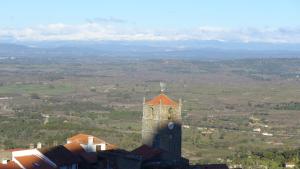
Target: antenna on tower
(162,86)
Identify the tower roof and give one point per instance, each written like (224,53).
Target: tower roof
(163,99)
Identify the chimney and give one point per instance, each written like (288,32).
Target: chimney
(4,161)
(31,146)
(39,145)
(54,143)
(90,140)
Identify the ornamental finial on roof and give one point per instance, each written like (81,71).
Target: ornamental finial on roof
(162,86)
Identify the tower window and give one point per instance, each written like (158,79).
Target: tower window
(151,112)
(170,113)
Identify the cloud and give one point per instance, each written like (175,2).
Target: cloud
(103,31)
(106,20)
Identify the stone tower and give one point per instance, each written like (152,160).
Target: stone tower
(161,125)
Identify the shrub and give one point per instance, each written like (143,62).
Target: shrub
(34,96)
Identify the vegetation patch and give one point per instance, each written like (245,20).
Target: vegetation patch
(287,106)
(42,89)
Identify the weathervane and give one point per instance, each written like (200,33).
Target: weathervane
(162,86)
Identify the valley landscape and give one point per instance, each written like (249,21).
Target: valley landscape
(149,84)
(235,111)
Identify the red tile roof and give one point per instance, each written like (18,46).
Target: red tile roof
(83,139)
(147,152)
(163,99)
(60,155)
(33,162)
(75,148)
(10,165)
(110,146)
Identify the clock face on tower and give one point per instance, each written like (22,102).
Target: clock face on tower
(171,125)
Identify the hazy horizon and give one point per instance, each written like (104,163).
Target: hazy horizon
(225,21)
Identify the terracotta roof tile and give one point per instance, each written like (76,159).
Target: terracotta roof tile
(110,146)
(33,162)
(75,148)
(10,165)
(162,98)
(60,155)
(83,139)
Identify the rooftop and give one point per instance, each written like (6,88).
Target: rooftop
(89,157)
(75,148)
(163,99)
(10,165)
(33,162)
(60,155)
(147,152)
(83,139)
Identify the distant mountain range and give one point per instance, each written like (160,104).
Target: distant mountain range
(150,49)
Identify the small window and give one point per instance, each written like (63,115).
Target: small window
(98,148)
(170,113)
(151,112)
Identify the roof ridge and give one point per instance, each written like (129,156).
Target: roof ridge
(162,98)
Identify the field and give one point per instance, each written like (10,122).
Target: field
(47,100)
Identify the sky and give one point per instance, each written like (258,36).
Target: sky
(274,21)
